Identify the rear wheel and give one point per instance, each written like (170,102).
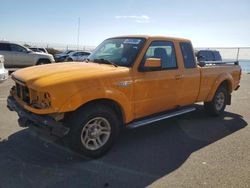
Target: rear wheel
(218,104)
(93,130)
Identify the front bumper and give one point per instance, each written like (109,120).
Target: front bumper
(28,119)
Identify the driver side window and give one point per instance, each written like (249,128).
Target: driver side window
(163,50)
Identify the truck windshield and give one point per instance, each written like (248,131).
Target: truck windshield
(117,51)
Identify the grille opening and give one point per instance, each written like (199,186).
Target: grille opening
(23,93)
(18,90)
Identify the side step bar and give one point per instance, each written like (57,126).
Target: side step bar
(143,122)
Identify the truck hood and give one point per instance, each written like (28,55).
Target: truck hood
(50,74)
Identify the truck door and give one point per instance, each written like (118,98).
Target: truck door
(155,89)
(189,78)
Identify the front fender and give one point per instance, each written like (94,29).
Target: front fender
(90,94)
(221,78)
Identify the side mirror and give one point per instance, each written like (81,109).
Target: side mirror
(153,63)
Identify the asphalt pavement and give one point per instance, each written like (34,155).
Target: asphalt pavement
(192,150)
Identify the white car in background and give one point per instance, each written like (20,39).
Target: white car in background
(42,50)
(4,74)
(18,56)
(77,56)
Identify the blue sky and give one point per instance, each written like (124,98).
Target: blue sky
(207,23)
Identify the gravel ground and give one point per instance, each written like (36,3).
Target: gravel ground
(192,150)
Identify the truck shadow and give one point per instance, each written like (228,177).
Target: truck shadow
(140,156)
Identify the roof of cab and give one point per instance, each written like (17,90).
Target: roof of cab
(153,37)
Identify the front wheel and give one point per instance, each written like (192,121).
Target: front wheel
(218,104)
(93,130)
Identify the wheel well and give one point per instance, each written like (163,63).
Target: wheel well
(227,85)
(108,102)
(43,59)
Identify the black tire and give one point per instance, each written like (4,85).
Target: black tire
(43,61)
(217,106)
(69,59)
(78,123)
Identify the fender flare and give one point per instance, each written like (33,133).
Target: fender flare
(92,94)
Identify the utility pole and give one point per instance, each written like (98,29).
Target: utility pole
(78,33)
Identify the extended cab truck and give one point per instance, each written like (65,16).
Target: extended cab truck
(127,81)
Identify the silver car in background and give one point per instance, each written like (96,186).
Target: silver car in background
(18,56)
(4,74)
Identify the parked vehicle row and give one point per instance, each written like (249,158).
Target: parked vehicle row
(18,56)
(72,56)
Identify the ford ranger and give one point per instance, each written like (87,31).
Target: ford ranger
(128,81)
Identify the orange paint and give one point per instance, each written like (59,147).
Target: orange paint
(138,94)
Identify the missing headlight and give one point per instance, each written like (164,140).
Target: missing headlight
(41,101)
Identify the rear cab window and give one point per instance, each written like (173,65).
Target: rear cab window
(188,55)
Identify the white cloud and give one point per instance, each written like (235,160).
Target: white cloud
(138,19)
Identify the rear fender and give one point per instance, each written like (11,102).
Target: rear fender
(223,77)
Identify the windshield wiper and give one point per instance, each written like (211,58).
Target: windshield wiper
(101,60)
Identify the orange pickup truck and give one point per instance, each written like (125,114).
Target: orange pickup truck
(128,81)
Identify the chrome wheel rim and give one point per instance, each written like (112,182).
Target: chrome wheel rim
(219,101)
(95,133)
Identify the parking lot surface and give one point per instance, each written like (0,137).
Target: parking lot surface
(192,150)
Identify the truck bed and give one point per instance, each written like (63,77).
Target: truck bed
(211,73)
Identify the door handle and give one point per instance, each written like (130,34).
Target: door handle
(179,76)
